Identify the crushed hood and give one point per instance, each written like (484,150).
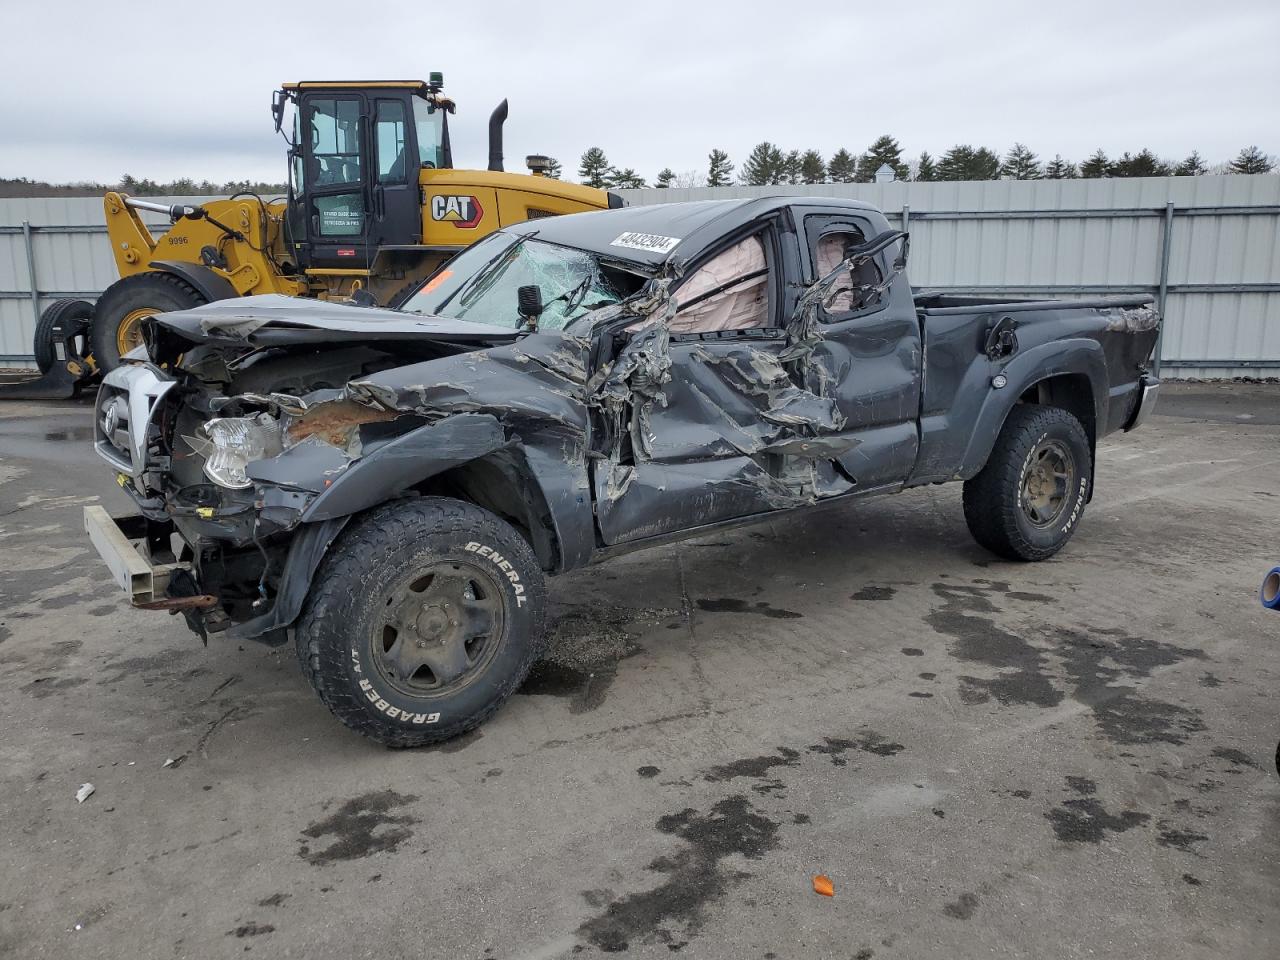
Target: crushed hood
(276,319)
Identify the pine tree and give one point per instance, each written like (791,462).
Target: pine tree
(1193,166)
(842,168)
(626,179)
(1096,166)
(986,164)
(956,163)
(665,176)
(791,167)
(1143,164)
(812,168)
(594,169)
(1252,160)
(553,168)
(926,169)
(884,150)
(719,169)
(764,165)
(963,162)
(1059,169)
(1021,164)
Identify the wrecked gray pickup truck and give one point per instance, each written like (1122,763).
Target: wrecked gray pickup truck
(391,486)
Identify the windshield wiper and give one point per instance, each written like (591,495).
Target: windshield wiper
(574,295)
(467,293)
(483,281)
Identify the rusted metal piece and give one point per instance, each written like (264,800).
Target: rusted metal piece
(177,604)
(335,422)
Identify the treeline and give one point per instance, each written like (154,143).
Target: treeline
(766,164)
(184,187)
(770,164)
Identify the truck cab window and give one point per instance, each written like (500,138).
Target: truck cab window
(335,140)
(854,294)
(389,141)
(728,292)
(429,121)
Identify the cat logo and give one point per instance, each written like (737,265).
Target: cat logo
(463,212)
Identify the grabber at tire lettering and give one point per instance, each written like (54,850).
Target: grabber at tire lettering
(425,616)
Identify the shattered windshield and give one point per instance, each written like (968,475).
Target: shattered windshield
(481,283)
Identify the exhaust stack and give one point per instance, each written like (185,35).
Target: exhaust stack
(496,120)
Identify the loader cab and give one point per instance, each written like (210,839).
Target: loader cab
(355,153)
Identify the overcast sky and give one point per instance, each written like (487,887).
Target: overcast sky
(93,90)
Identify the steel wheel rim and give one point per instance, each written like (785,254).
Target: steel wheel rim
(1047,481)
(439,627)
(129,333)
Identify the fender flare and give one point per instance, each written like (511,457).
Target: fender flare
(1076,356)
(408,459)
(207,283)
(394,467)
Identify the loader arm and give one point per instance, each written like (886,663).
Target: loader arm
(132,244)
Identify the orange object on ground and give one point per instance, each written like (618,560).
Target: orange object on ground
(822,885)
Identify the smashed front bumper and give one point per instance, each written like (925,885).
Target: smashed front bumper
(126,547)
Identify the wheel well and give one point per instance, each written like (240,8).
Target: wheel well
(504,484)
(1072,392)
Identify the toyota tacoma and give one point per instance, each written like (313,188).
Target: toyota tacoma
(389,488)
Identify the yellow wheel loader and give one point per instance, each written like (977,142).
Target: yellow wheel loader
(374,205)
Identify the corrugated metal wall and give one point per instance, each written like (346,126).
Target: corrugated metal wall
(1068,238)
(68,241)
(1051,237)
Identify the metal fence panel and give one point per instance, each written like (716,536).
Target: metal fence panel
(1048,237)
(1075,237)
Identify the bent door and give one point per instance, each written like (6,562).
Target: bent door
(870,349)
(729,433)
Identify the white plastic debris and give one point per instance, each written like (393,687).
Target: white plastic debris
(85,792)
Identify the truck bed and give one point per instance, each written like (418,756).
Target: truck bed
(1097,349)
(945,303)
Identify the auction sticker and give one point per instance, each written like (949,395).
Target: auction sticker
(646,241)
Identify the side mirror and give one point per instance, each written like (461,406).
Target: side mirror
(529,304)
(277,108)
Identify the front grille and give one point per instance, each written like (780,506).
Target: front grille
(123,416)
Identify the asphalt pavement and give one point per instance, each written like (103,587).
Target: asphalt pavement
(1067,759)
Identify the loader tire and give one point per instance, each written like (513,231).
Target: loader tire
(1027,501)
(424,617)
(64,320)
(125,306)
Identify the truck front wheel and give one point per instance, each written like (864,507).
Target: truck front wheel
(424,617)
(1028,500)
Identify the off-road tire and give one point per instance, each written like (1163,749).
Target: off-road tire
(339,624)
(159,292)
(80,312)
(993,499)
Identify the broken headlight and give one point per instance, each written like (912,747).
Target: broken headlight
(236,442)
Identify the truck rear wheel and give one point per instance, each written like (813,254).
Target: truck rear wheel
(424,617)
(121,310)
(1028,500)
